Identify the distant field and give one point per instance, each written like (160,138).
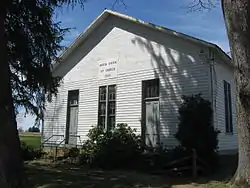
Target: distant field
(31,139)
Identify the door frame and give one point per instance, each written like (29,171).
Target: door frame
(70,94)
(143,108)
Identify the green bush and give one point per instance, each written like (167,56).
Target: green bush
(29,153)
(118,148)
(71,152)
(195,129)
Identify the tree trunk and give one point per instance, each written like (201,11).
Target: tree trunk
(237,19)
(10,153)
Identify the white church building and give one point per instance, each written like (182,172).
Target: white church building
(124,70)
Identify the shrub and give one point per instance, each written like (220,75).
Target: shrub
(195,129)
(29,153)
(119,148)
(71,152)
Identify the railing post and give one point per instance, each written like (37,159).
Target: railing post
(55,154)
(194,164)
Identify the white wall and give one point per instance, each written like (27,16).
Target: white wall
(228,141)
(141,54)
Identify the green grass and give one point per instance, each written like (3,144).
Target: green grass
(31,139)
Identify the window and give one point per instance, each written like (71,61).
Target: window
(73,97)
(151,88)
(228,107)
(102,106)
(111,106)
(107,107)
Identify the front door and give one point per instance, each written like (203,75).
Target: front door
(72,118)
(73,121)
(152,135)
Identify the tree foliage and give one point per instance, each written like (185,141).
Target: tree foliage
(195,129)
(33,41)
(30,42)
(34,129)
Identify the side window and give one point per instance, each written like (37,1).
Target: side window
(228,107)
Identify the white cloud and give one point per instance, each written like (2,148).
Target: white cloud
(24,121)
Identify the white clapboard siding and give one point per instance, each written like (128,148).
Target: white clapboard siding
(227,141)
(141,54)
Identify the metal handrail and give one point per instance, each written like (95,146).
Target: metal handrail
(57,148)
(58,144)
(51,137)
(61,142)
(78,136)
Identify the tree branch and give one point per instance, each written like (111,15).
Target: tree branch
(116,2)
(199,5)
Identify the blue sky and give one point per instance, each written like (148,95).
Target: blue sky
(173,14)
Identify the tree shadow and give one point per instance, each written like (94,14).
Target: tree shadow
(178,76)
(71,176)
(53,122)
(49,175)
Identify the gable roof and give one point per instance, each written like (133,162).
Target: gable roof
(99,20)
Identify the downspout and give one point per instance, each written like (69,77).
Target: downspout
(212,84)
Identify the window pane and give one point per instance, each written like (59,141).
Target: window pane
(112,108)
(102,108)
(112,90)
(73,102)
(103,93)
(111,123)
(102,121)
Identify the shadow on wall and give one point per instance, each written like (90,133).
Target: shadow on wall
(177,70)
(177,74)
(52,124)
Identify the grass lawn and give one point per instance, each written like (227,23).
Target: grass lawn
(43,174)
(31,139)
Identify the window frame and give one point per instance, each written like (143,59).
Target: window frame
(100,102)
(107,103)
(149,85)
(228,107)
